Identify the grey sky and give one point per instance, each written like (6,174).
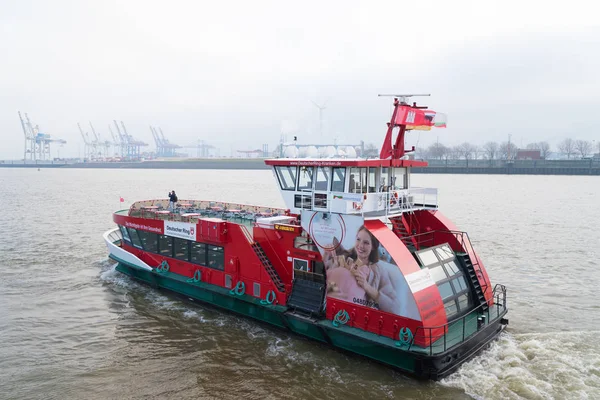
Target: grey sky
(238,73)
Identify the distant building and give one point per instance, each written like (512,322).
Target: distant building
(528,155)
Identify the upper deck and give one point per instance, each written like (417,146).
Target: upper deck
(193,210)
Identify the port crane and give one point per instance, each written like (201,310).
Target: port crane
(37,144)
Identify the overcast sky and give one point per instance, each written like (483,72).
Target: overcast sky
(238,74)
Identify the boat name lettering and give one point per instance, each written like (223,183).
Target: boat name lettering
(142,227)
(317,163)
(285,228)
(364,302)
(174,229)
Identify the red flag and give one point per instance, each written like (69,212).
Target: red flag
(122,200)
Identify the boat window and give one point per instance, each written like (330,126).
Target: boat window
(182,251)
(464,302)
(300,242)
(165,245)
(372,181)
(301,201)
(305,178)
(358,180)
(444,252)
(427,257)
(399,178)
(125,234)
(216,257)
(338,178)
(322,178)
(450,308)
(459,284)
(445,290)
(149,241)
(286,176)
(452,268)
(384,180)
(135,239)
(198,253)
(438,273)
(301,265)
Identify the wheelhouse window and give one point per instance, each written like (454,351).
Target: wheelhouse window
(322,178)
(358,180)
(338,178)
(449,278)
(135,239)
(400,179)
(181,247)
(216,257)
(305,178)
(372,182)
(286,176)
(384,180)
(198,253)
(165,245)
(125,234)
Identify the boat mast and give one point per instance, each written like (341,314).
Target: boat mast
(398,151)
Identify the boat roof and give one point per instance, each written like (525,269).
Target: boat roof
(345,162)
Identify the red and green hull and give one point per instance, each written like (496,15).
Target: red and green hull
(425,363)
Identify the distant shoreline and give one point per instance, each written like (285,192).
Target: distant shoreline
(524,167)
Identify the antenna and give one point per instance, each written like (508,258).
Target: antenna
(321,108)
(403,97)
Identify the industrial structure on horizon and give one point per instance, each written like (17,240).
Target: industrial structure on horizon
(37,144)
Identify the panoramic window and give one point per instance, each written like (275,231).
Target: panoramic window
(449,278)
(198,253)
(149,241)
(125,234)
(305,178)
(216,257)
(181,249)
(286,176)
(135,239)
(338,178)
(165,245)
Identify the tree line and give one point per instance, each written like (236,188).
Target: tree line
(571,148)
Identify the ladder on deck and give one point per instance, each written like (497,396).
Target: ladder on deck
(260,252)
(465,260)
(400,228)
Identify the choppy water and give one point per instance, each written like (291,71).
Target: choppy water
(71,327)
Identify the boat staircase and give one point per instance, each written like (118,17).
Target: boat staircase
(401,226)
(307,296)
(260,252)
(465,260)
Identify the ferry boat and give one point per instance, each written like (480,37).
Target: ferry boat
(359,259)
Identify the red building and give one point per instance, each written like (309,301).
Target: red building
(528,155)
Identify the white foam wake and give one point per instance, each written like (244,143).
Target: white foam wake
(561,365)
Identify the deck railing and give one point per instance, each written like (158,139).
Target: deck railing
(478,316)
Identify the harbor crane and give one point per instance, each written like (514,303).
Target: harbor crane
(164,148)
(37,144)
(130,147)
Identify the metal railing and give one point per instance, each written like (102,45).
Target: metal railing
(482,317)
